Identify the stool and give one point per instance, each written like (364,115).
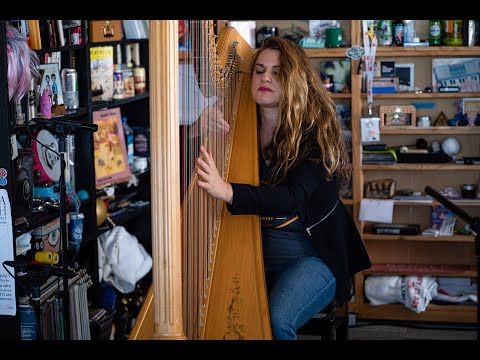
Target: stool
(331,323)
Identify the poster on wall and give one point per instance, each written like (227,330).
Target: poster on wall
(463,73)
(7,282)
(110,152)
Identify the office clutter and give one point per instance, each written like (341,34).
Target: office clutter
(417,291)
(122,260)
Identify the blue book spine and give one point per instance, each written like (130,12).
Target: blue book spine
(28,322)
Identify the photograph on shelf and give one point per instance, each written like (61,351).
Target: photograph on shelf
(406,77)
(338,72)
(471,108)
(51,81)
(110,152)
(463,73)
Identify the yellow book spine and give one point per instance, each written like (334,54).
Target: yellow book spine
(35,40)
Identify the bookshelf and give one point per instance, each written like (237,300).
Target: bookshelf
(402,255)
(135,108)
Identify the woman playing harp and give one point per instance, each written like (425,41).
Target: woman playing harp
(311,245)
(219,292)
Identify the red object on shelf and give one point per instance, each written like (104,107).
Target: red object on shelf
(419,268)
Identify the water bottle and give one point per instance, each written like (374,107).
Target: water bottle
(129,142)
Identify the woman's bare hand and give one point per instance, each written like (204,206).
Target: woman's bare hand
(210,180)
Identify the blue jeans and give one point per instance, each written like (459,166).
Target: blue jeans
(299,283)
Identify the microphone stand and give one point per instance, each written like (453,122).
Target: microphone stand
(474,223)
(63,128)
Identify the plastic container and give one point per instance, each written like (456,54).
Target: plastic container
(129,140)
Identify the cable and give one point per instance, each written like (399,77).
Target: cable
(37,325)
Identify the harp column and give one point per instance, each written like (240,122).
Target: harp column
(165,180)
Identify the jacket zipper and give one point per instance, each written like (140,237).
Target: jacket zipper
(318,222)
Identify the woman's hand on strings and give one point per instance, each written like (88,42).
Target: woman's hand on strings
(212,119)
(210,180)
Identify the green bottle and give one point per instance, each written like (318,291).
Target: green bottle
(434,32)
(453,32)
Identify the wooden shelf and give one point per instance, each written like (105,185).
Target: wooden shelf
(440,51)
(438,313)
(423,167)
(384,237)
(433,130)
(341,95)
(421,96)
(465,274)
(327,53)
(435,203)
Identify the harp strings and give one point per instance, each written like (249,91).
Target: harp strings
(201,213)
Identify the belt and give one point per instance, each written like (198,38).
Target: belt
(289,221)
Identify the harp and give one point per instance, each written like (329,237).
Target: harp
(208,277)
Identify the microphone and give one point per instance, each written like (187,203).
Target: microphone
(47,270)
(75,125)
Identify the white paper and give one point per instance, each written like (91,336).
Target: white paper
(246,29)
(7,282)
(376,210)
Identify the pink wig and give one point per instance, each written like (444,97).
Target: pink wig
(22,64)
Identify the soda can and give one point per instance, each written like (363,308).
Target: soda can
(70,88)
(32,99)
(118,84)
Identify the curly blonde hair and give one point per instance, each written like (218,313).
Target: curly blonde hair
(307,116)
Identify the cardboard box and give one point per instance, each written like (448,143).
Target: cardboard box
(105,30)
(50,235)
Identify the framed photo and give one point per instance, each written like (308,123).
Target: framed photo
(471,108)
(51,81)
(406,76)
(397,115)
(110,152)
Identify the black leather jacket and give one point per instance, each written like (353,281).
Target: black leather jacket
(307,193)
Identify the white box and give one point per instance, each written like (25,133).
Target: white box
(370,128)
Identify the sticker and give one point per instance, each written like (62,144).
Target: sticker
(3,177)
(355,52)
